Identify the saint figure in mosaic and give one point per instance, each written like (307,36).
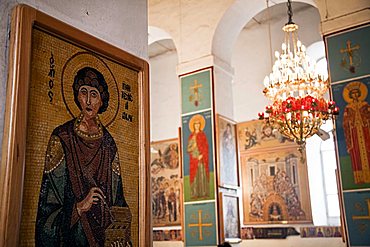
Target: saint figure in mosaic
(81,194)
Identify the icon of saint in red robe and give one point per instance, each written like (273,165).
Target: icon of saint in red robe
(356,125)
(197,149)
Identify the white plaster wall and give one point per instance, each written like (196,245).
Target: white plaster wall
(251,59)
(251,63)
(223,92)
(122,23)
(165,101)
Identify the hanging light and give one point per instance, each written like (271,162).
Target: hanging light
(296,90)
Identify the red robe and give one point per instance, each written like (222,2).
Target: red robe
(356,125)
(202,145)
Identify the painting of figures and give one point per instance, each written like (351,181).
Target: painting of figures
(275,186)
(256,135)
(166,183)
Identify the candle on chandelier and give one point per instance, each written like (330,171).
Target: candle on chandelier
(336,110)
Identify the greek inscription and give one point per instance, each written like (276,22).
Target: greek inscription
(127,117)
(127,97)
(51,76)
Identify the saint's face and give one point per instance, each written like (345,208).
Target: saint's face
(355,94)
(228,129)
(196,126)
(267,131)
(90,101)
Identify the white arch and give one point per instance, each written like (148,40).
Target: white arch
(316,50)
(233,21)
(156,34)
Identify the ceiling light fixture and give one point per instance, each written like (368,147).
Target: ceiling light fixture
(296,90)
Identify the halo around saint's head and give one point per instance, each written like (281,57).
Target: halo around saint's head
(356,85)
(197,118)
(72,66)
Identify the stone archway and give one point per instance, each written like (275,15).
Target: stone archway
(163,53)
(233,21)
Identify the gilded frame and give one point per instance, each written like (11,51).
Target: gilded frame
(23,21)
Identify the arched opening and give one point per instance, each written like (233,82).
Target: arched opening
(252,58)
(164,86)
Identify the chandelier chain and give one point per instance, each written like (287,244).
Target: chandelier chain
(290,12)
(269,32)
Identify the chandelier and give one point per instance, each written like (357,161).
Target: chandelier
(296,90)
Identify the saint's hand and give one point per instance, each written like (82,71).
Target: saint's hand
(95,195)
(200,157)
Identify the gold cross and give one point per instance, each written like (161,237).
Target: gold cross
(350,50)
(200,224)
(196,86)
(364,217)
